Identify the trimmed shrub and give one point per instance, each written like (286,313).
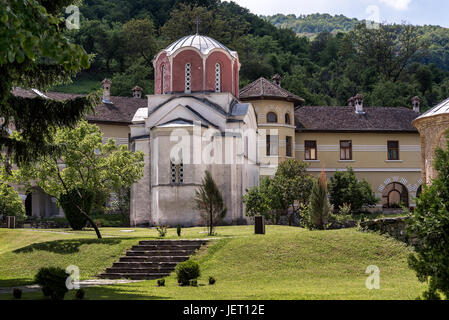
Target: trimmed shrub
(70,203)
(52,280)
(186,271)
(17,293)
(161,282)
(211,280)
(80,293)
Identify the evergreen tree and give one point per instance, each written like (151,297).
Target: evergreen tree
(209,201)
(319,208)
(34,52)
(430,224)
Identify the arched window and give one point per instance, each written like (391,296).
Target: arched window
(272,117)
(217,77)
(163,79)
(287,119)
(188,80)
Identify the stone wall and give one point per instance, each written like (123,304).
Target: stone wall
(395,227)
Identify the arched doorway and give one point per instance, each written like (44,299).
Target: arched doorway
(29,204)
(394,196)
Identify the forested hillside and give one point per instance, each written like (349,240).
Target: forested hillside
(389,66)
(313,24)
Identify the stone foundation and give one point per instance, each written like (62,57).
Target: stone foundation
(395,227)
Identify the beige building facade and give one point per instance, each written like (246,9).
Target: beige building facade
(379,144)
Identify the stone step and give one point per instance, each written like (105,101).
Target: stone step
(137,276)
(159,253)
(172,242)
(139,270)
(166,247)
(154,258)
(148,265)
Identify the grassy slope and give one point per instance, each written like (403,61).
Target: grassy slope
(286,263)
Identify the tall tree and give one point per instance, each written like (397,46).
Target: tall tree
(293,186)
(209,202)
(390,48)
(319,208)
(140,39)
(34,52)
(85,166)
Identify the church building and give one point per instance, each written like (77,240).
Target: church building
(199,120)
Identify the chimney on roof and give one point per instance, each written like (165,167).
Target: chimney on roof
(106,85)
(416,103)
(137,92)
(358,102)
(277,79)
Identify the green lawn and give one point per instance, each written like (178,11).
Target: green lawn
(286,263)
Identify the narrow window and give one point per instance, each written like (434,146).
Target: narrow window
(163,79)
(188,80)
(287,119)
(272,145)
(177,173)
(310,150)
(393,150)
(272,117)
(346,150)
(288,150)
(217,77)
(268,144)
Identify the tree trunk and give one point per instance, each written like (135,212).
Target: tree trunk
(211,223)
(97,231)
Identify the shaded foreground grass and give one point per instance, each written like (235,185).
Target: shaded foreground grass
(286,263)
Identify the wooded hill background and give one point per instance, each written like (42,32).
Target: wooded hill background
(322,58)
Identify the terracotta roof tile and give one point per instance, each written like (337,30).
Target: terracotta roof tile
(345,119)
(121,110)
(263,88)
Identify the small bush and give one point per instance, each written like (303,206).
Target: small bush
(211,280)
(178,230)
(52,280)
(162,230)
(193,283)
(79,295)
(187,271)
(17,293)
(161,282)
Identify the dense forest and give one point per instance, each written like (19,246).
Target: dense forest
(388,65)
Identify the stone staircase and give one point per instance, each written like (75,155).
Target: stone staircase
(152,259)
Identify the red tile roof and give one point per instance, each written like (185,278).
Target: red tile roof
(345,119)
(265,89)
(121,110)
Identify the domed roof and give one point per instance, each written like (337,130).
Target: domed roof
(441,108)
(202,43)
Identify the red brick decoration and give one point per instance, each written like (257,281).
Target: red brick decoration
(203,54)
